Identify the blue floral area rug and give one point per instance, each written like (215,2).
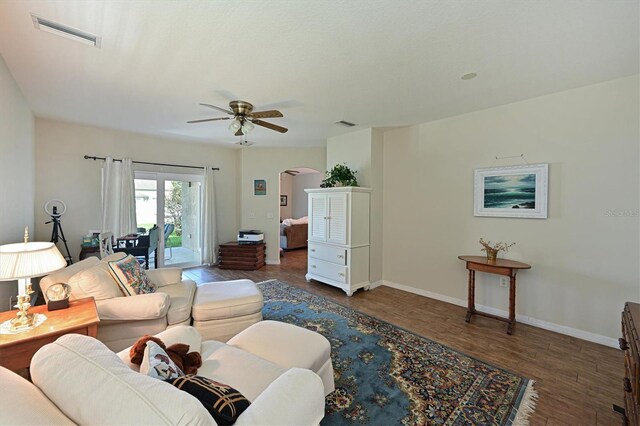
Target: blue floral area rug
(386,375)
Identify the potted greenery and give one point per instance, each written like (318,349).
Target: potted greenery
(339,175)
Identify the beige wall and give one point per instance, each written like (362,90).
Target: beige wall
(17,169)
(353,149)
(584,256)
(286,188)
(362,151)
(261,211)
(62,173)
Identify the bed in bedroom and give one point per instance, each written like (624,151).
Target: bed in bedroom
(293,233)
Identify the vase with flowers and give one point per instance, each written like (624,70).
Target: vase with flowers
(493,249)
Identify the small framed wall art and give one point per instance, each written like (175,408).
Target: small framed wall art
(283,200)
(259,187)
(512,191)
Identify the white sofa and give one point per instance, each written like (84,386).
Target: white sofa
(124,319)
(79,380)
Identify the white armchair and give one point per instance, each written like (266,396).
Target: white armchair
(124,319)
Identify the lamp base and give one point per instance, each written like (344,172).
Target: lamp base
(23,322)
(16,325)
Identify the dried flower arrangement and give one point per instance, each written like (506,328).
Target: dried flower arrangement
(492,250)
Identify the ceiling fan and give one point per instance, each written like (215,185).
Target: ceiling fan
(244,118)
(291,172)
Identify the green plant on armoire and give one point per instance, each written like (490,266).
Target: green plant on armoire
(339,175)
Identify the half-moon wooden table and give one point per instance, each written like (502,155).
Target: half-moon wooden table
(508,268)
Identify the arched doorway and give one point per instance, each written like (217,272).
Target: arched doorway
(294,215)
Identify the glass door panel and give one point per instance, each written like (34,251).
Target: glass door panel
(182,220)
(173,203)
(146,204)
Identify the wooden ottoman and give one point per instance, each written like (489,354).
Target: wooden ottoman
(223,309)
(289,346)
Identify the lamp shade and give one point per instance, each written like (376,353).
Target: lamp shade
(27,260)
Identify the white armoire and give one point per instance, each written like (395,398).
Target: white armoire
(338,250)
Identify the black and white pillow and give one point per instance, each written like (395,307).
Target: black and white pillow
(223,402)
(157,364)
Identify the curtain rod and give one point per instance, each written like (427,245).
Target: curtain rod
(89,157)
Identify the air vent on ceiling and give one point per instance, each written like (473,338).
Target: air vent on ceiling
(345,123)
(65,31)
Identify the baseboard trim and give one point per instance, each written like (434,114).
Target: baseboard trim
(546,325)
(375,284)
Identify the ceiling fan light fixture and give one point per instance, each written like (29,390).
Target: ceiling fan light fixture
(235,125)
(247,127)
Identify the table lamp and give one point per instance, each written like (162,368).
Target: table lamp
(22,261)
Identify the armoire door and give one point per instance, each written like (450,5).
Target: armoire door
(318,217)
(337,218)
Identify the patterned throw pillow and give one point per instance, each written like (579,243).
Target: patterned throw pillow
(130,277)
(157,364)
(223,402)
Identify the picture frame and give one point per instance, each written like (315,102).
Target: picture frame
(283,201)
(511,191)
(259,187)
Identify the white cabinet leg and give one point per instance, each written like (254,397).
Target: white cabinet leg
(349,292)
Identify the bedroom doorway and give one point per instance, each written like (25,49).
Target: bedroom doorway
(294,216)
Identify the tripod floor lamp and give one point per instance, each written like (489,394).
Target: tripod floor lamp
(21,262)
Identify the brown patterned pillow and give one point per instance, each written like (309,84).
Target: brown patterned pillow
(223,402)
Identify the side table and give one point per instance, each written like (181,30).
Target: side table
(87,251)
(16,350)
(249,257)
(504,267)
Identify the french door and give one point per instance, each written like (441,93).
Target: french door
(173,202)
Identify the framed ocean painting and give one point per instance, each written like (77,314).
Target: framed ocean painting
(513,191)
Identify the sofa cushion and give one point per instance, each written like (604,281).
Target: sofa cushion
(95,281)
(223,402)
(91,385)
(226,299)
(181,295)
(113,257)
(248,373)
(18,394)
(63,275)
(130,276)
(157,364)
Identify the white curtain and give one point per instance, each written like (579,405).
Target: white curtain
(210,240)
(118,197)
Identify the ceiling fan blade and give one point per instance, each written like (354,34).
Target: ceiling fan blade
(289,173)
(208,119)
(267,114)
(292,172)
(218,108)
(270,126)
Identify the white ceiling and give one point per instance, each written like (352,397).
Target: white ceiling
(375,63)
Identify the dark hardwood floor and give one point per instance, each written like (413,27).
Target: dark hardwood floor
(577,381)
